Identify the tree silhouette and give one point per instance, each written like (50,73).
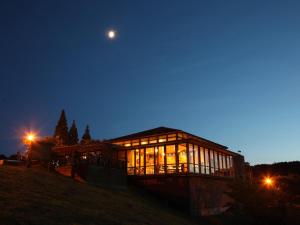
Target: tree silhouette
(86,138)
(61,129)
(73,134)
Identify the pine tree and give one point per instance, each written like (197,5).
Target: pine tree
(86,136)
(73,134)
(61,129)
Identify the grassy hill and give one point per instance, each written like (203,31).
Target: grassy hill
(35,196)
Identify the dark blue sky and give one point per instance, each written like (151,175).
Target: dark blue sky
(224,70)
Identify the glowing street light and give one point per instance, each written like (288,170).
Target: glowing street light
(29,138)
(268,181)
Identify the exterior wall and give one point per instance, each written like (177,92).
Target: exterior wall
(208,195)
(199,195)
(172,189)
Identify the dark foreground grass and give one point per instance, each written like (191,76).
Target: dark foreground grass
(35,196)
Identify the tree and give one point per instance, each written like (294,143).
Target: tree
(86,136)
(73,134)
(61,129)
(2,156)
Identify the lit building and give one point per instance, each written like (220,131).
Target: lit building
(164,150)
(188,171)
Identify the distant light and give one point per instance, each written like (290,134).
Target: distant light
(268,181)
(111,34)
(29,137)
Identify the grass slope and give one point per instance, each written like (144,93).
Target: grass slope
(34,196)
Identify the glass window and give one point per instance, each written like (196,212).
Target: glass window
(159,160)
(196,158)
(231,166)
(162,138)
(153,140)
(171,159)
(130,162)
(144,141)
(224,161)
(139,161)
(127,143)
(212,162)
(191,158)
(216,157)
(207,171)
(149,160)
(202,161)
(135,142)
(118,143)
(182,158)
(179,135)
(171,137)
(221,161)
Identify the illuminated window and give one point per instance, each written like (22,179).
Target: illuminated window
(212,162)
(196,159)
(130,162)
(162,138)
(153,140)
(159,159)
(202,160)
(149,160)
(135,142)
(171,137)
(207,171)
(224,161)
(216,157)
(191,158)
(182,158)
(127,144)
(171,159)
(139,161)
(179,136)
(221,161)
(118,143)
(144,141)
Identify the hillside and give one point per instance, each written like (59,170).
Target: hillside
(34,196)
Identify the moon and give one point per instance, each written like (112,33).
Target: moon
(111,34)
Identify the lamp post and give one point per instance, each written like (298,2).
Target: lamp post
(268,181)
(28,140)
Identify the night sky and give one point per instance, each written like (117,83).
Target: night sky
(227,71)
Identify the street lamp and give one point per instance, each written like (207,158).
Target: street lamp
(268,181)
(29,138)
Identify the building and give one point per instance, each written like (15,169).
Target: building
(186,170)
(164,150)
